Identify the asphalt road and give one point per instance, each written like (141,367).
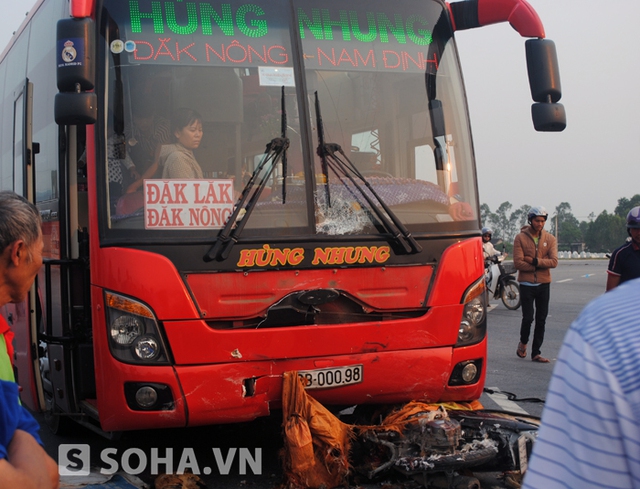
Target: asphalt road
(574,284)
(221,448)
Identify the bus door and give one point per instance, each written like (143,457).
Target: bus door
(65,346)
(22,316)
(46,348)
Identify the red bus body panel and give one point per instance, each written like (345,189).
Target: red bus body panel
(238,295)
(213,367)
(81,8)
(195,343)
(460,266)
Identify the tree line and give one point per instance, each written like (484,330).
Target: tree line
(598,234)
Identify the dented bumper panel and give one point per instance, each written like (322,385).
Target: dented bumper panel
(241,392)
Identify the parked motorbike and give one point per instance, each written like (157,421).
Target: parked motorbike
(501,282)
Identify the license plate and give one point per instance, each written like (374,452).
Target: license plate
(331,377)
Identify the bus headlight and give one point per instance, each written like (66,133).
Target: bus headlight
(146,348)
(473,324)
(125,329)
(134,335)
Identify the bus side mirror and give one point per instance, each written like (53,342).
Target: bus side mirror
(548,117)
(75,59)
(75,72)
(544,81)
(76,108)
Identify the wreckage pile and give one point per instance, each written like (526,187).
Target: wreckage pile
(424,441)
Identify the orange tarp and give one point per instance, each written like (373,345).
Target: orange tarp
(316,443)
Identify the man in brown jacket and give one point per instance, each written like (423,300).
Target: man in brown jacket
(535,253)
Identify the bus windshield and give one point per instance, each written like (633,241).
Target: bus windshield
(283,118)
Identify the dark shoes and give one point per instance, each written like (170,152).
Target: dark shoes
(540,359)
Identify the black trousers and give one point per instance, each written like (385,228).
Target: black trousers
(531,297)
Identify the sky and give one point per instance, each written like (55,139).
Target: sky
(595,160)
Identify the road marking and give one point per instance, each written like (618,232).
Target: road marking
(501,400)
(565,280)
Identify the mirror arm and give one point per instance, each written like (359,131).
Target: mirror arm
(477,13)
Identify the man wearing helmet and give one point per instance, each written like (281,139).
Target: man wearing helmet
(535,253)
(625,261)
(487,247)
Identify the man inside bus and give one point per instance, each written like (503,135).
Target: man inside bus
(138,151)
(23,462)
(149,128)
(148,133)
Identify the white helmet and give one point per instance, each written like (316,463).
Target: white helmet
(537,211)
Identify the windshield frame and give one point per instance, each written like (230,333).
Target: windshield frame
(308,148)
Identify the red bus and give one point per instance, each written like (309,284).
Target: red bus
(329,222)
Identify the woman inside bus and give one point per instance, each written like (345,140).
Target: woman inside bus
(177,160)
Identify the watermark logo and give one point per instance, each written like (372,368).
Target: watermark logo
(75,460)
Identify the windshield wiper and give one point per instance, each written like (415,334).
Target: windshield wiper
(283,132)
(251,192)
(343,167)
(275,151)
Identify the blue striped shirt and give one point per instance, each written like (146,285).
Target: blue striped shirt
(590,432)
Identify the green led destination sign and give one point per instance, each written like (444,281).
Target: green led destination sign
(207,33)
(249,20)
(380,27)
(258,34)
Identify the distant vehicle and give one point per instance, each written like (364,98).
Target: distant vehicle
(347,250)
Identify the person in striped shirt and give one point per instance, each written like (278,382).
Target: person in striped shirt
(590,431)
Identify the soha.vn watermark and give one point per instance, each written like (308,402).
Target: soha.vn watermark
(75,459)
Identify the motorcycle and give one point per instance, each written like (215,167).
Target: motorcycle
(445,448)
(501,283)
